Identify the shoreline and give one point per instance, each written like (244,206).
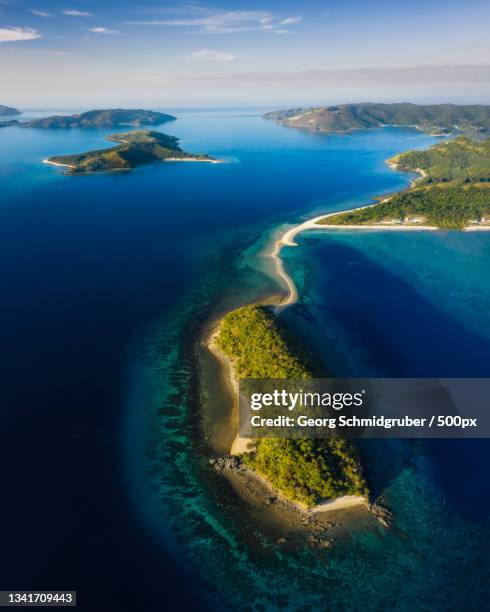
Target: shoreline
(194,159)
(287,238)
(243,478)
(168,159)
(236,473)
(52,163)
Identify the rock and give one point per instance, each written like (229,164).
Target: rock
(282,540)
(382,514)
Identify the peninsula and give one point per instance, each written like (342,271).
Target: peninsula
(437,119)
(453,190)
(134,149)
(101,119)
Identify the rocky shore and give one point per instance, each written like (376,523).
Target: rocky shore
(286,522)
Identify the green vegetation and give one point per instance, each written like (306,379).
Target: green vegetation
(136,148)
(454,189)
(107,118)
(459,161)
(435,118)
(257,346)
(304,470)
(308,471)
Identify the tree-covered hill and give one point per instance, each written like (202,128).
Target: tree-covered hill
(135,148)
(106,118)
(473,119)
(453,191)
(304,470)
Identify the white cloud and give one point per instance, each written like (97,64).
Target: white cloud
(222,22)
(40,13)
(103,31)
(209,54)
(282,32)
(290,20)
(75,13)
(17,34)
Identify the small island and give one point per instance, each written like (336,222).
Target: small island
(436,119)
(453,190)
(307,472)
(8,110)
(107,118)
(135,148)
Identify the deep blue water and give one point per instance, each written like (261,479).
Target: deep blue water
(101,278)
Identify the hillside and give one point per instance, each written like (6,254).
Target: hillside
(135,148)
(304,470)
(101,119)
(8,110)
(436,118)
(453,191)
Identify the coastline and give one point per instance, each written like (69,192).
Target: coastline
(238,474)
(241,477)
(168,159)
(231,467)
(287,238)
(52,163)
(194,159)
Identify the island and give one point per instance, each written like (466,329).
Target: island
(307,472)
(453,190)
(8,123)
(436,119)
(8,110)
(134,149)
(107,118)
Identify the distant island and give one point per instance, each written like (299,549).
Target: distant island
(436,119)
(453,190)
(8,110)
(135,148)
(101,119)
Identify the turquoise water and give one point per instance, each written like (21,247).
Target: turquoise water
(110,277)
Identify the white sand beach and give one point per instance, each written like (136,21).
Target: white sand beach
(52,163)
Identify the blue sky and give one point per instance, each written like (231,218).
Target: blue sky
(228,53)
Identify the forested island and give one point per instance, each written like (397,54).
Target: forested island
(440,119)
(106,118)
(453,190)
(134,149)
(307,471)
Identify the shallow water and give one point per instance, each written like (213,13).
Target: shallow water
(105,275)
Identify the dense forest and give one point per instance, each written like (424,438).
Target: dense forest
(304,470)
(454,189)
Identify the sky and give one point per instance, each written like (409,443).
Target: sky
(88,53)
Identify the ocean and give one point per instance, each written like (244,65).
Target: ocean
(107,280)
